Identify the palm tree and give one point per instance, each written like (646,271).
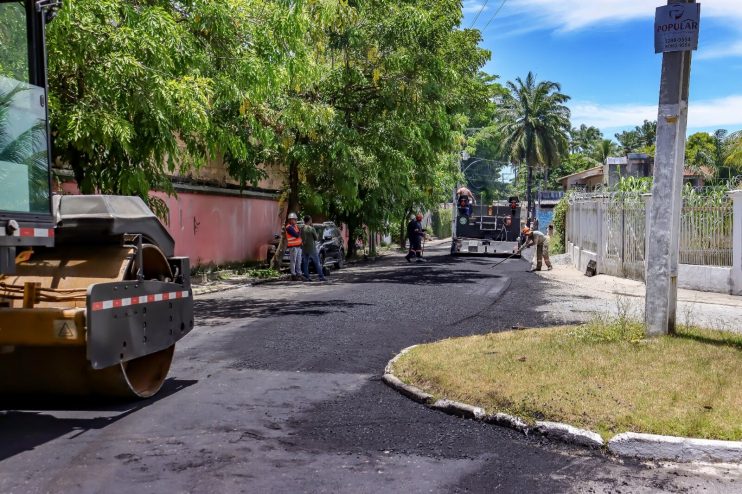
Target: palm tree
(604,149)
(533,123)
(584,138)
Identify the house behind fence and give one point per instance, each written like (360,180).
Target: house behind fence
(611,230)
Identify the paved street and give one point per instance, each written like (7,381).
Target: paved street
(278,390)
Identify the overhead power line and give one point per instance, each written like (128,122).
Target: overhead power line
(481,9)
(494,15)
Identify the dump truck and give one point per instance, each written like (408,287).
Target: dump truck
(92,295)
(485,229)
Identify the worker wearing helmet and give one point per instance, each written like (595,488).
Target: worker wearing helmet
(293,243)
(541,241)
(416,234)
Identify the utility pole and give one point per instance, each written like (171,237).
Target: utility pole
(676,32)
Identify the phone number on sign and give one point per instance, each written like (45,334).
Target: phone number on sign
(676,42)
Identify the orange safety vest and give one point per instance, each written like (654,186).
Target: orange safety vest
(292,241)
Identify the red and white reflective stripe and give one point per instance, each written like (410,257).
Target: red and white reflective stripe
(139,300)
(30,232)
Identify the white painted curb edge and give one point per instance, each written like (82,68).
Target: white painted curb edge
(679,449)
(627,444)
(388,368)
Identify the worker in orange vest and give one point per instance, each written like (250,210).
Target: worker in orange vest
(293,242)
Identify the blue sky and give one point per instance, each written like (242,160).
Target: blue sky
(602,52)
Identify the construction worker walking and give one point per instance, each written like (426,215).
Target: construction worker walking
(537,238)
(293,243)
(416,234)
(309,240)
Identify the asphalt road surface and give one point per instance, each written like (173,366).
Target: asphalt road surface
(278,390)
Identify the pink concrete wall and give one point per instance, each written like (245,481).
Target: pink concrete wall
(216,229)
(220,229)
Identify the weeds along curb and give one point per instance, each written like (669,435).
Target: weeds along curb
(627,444)
(199,290)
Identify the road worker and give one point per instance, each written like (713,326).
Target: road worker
(293,243)
(537,238)
(309,239)
(465,201)
(416,234)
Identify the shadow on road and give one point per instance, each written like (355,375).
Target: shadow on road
(28,422)
(261,309)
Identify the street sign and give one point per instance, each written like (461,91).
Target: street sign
(676,27)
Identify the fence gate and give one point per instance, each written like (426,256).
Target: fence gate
(634,227)
(613,243)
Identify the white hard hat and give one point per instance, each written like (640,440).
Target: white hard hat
(292,216)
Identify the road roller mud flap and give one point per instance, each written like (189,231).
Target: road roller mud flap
(130,319)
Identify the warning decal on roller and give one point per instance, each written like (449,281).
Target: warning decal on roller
(65,329)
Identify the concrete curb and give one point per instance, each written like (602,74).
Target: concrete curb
(415,394)
(679,449)
(505,420)
(199,291)
(388,368)
(569,434)
(459,409)
(627,444)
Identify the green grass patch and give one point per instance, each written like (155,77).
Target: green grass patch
(603,376)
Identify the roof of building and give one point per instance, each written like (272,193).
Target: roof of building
(621,160)
(589,173)
(702,171)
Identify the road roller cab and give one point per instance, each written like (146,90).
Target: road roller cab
(92,297)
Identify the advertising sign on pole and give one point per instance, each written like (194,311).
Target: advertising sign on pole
(676,27)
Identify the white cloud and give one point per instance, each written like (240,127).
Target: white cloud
(721,51)
(705,114)
(574,15)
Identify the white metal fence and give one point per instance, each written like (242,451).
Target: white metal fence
(612,227)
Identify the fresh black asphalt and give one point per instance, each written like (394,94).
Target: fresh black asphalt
(279,390)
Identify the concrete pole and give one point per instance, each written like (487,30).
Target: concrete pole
(663,237)
(736,286)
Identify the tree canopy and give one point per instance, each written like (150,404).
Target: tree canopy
(640,140)
(363,104)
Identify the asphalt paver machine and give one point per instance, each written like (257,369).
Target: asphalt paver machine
(92,297)
(485,229)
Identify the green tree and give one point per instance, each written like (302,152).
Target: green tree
(394,83)
(604,149)
(640,140)
(142,89)
(701,152)
(730,148)
(574,163)
(584,139)
(534,125)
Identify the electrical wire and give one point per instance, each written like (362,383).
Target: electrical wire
(494,15)
(476,18)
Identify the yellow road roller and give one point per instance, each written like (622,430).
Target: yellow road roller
(92,297)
